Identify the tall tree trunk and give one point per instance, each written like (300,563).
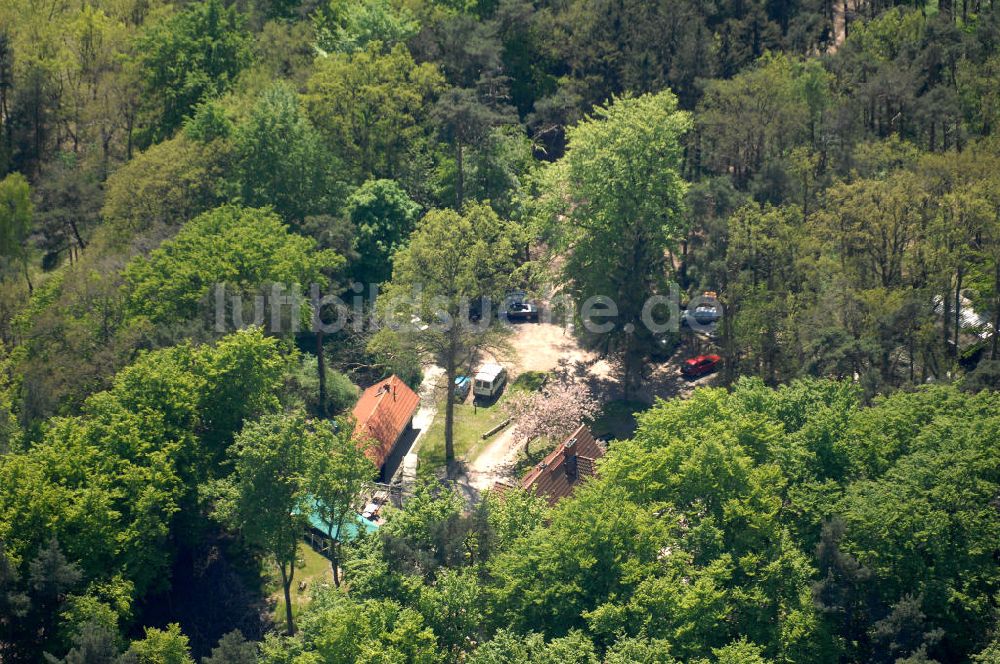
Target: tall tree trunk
(946,317)
(128,140)
(682,270)
(459,176)
(729,342)
(449,415)
(912,351)
(805,195)
(335,561)
(321,371)
(76,234)
(335,551)
(629,368)
(996,310)
(958,306)
(287,575)
(105,154)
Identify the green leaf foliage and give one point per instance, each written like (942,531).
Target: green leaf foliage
(111,482)
(383,216)
(245,248)
(188,57)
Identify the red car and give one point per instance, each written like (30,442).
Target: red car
(700,365)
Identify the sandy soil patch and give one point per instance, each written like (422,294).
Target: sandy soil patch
(546,347)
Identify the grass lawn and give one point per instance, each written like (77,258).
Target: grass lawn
(531,455)
(471,422)
(531,381)
(315,570)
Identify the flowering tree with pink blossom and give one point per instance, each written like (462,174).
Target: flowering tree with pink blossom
(552,413)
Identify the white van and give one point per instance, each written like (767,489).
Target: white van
(489,380)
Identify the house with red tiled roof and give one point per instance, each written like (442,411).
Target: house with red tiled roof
(382,415)
(570,464)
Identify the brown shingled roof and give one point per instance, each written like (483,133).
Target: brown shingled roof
(382,414)
(568,465)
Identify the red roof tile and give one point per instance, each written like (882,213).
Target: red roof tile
(382,414)
(568,465)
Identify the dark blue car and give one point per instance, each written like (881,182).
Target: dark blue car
(462,386)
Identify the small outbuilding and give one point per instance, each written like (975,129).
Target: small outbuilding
(570,464)
(382,415)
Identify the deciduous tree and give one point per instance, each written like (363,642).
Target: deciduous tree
(16,217)
(244,248)
(552,413)
(338,473)
(383,216)
(372,108)
(283,162)
(452,259)
(267,499)
(187,57)
(622,195)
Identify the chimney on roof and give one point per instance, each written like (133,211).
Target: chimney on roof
(569,459)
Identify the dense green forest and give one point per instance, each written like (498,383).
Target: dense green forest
(830,169)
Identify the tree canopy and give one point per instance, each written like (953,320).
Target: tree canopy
(620,186)
(220,221)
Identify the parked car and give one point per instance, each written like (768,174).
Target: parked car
(519,307)
(708,313)
(705,313)
(462,386)
(489,380)
(700,366)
